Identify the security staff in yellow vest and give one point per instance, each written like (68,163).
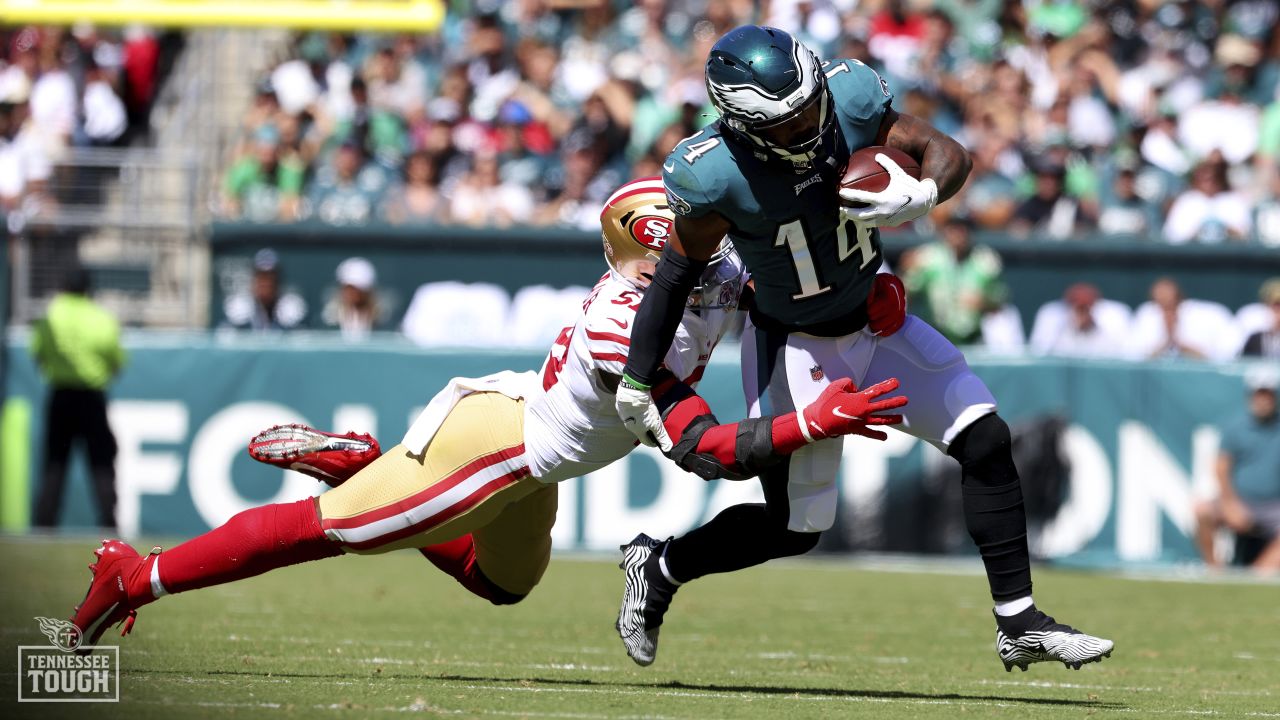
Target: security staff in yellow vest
(77,347)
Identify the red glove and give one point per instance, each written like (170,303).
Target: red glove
(886,305)
(843,409)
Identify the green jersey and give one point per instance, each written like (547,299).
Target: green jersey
(811,270)
(77,344)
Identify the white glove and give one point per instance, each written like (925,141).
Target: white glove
(640,416)
(904,200)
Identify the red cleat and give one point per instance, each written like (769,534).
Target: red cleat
(327,457)
(107,601)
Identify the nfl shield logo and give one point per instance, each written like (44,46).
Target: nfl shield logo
(815,372)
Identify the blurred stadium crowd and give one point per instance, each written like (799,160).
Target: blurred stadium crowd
(60,88)
(1131,119)
(1144,118)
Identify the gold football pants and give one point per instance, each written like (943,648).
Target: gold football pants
(473,478)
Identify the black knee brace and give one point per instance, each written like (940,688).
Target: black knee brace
(985,452)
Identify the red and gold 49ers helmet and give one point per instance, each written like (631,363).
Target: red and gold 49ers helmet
(637,223)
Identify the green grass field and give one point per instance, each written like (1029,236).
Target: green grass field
(385,636)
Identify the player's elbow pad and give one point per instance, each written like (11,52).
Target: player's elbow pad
(752,449)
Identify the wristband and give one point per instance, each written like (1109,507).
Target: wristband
(633,383)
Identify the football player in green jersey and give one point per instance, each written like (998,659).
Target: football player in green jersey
(767,174)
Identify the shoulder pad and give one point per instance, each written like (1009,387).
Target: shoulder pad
(696,174)
(613,309)
(859,91)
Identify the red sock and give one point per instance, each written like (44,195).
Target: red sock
(457,558)
(251,543)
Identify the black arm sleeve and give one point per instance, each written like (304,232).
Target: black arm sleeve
(660,312)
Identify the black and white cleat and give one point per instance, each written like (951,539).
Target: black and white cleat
(1032,637)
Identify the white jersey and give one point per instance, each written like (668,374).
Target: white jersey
(571,427)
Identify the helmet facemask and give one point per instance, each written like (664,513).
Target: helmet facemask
(798,137)
(720,286)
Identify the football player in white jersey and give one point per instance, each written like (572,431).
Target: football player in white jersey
(472,485)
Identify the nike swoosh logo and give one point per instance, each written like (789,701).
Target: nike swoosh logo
(906,200)
(669,168)
(621,324)
(837,413)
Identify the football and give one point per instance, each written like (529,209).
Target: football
(864,173)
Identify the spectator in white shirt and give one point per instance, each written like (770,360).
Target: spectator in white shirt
(53,105)
(105,118)
(354,308)
(397,84)
(481,198)
(1226,123)
(24,165)
(295,86)
(1082,324)
(1171,326)
(1209,211)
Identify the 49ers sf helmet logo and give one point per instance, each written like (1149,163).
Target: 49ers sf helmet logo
(651,231)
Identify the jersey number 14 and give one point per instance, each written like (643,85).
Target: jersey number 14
(792,235)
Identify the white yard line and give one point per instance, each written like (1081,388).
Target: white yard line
(1048,685)
(236,637)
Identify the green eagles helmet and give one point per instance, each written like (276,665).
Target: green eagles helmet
(771,92)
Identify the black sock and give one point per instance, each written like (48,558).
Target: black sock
(1015,625)
(993,511)
(741,536)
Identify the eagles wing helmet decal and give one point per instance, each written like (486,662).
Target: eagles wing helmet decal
(752,102)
